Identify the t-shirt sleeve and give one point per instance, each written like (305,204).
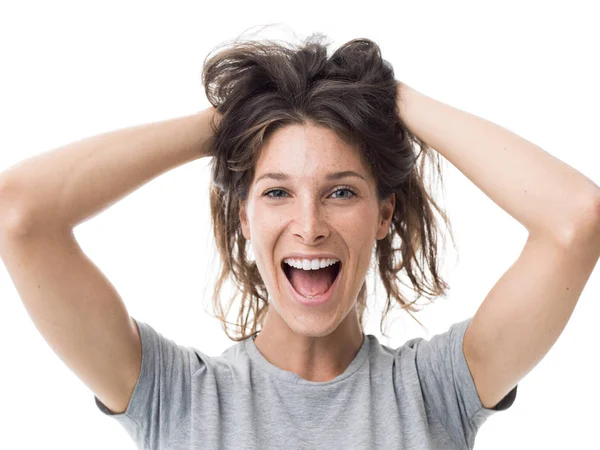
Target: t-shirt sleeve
(161,398)
(448,386)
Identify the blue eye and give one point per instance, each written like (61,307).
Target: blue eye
(273,190)
(347,190)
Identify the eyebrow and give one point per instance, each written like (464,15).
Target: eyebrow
(280,176)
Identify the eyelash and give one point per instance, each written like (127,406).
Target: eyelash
(341,188)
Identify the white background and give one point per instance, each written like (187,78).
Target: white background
(76,69)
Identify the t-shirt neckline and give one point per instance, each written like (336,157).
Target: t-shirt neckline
(290,377)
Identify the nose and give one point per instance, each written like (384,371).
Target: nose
(310,222)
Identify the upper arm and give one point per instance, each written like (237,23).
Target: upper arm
(76,309)
(526,311)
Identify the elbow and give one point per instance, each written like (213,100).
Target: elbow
(11,215)
(586,226)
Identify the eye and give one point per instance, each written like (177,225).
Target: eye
(266,194)
(350,195)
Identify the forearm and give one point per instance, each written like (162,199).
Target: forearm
(68,185)
(543,193)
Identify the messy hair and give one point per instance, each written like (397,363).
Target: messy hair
(260,86)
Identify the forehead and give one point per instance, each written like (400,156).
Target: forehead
(308,151)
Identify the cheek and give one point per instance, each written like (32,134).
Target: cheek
(359,235)
(264,239)
(266,226)
(358,228)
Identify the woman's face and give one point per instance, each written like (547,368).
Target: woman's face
(310,211)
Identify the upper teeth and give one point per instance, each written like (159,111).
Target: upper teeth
(306,264)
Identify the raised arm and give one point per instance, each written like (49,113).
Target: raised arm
(528,308)
(68,185)
(73,305)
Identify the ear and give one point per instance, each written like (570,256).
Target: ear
(244,220)
(386,212)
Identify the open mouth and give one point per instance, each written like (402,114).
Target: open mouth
(312,283)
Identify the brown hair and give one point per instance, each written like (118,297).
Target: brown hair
(261,86)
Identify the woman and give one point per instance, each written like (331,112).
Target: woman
(314,170)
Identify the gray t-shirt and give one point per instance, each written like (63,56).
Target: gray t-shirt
(419,396)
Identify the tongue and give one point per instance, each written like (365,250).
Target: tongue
(312,282)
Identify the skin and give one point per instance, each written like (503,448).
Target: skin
(309,214)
